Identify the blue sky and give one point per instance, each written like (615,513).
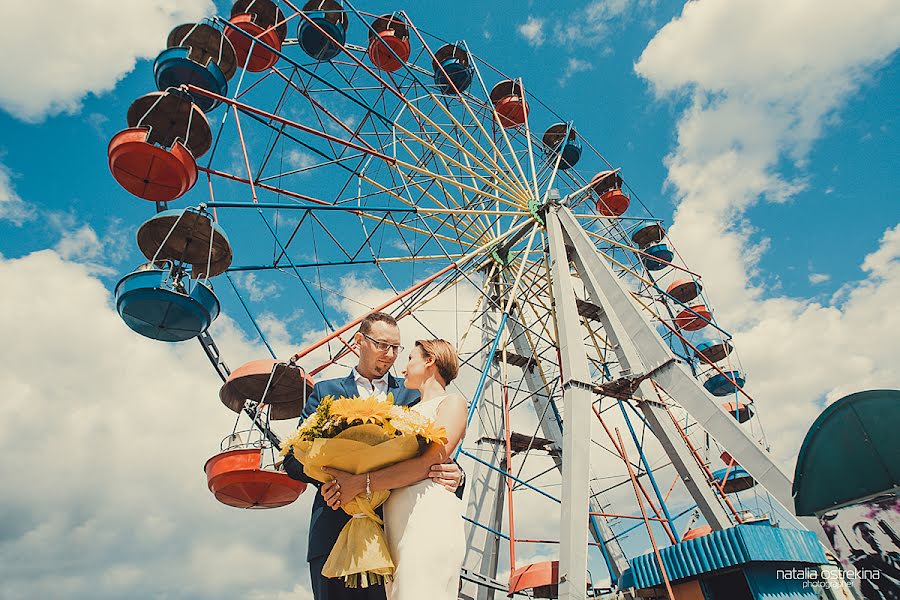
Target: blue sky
(58,164)
(771,152)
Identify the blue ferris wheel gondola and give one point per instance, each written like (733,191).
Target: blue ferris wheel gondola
(660,251)
(452,69)
(571,154)
(460,76)
(713,351)
(735,479)
(327,16)
(200,55)
(648,233)
(721,385)
(159,306)
(563,138)
(173,68)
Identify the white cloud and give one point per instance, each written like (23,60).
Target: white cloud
(822,47)
(590,25)
(79,47)
(299,592)
(353,296)
(12,207)
(817,278)
(798,352)
(101,456)
(98,122)
(298,159)
(80,245)
(79,242)
(574,66)
(752,105)
(533,31)
(883,262)
(257,289)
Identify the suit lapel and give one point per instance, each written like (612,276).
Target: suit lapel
(402,395)
(395,389)
(349,385)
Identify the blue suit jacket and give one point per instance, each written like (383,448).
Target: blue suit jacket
(325,524)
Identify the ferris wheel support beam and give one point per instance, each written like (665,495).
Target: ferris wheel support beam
(215,357)
(551,429)
(577,397)
(630,362)
(641,350)
(485,495)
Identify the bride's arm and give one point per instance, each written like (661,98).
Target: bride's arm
(451,415)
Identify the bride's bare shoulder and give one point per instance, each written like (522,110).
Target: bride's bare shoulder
(455,400)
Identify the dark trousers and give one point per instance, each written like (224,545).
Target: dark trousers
(325,588)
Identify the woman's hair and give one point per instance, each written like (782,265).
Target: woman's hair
(445,358)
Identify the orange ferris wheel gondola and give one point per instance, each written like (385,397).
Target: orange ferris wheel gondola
(236,478)
(155,157)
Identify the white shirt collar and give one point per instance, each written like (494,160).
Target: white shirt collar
(365,387)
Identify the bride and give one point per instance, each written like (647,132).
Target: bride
(422,520)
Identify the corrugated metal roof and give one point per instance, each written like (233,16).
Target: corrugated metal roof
(727,548)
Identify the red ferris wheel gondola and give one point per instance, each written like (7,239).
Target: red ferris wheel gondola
(389,46)
(262,20)
(508,99)
(237,479)
(155,158)
(612,201)
(266,390)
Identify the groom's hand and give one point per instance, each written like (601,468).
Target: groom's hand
(448,475)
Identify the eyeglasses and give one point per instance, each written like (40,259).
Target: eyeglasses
(383,346)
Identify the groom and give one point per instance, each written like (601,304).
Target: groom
(378,344)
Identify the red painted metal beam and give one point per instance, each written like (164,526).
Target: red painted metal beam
(278,119)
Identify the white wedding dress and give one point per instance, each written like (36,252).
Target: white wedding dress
(424,529)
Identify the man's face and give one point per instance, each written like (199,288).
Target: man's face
(374,363)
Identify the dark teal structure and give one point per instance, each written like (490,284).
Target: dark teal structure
(851,453)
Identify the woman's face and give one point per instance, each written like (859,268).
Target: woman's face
(416,371)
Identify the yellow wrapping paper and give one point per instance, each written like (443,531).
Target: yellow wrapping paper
(360,556)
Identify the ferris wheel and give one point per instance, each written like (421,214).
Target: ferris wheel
(290,147)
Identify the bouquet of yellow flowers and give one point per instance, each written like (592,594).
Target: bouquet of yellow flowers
(360,435)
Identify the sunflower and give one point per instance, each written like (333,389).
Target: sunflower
(366,410)
(432,432)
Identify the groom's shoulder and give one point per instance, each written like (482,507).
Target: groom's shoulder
(328,384)
(402,394)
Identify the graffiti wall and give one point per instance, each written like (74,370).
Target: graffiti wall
(866,539)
